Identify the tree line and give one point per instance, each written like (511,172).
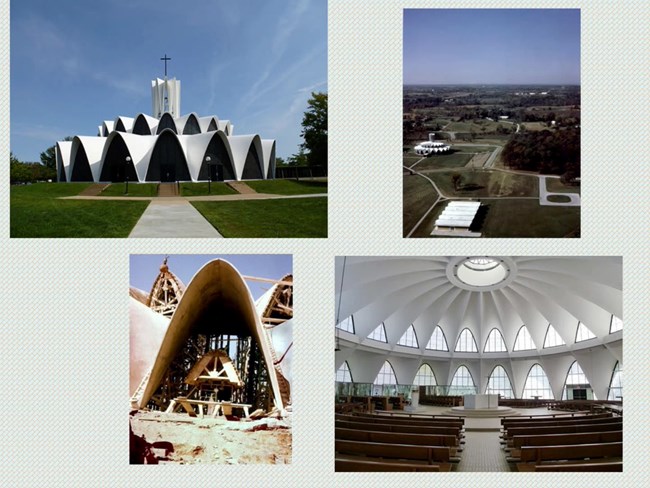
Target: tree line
(547,152)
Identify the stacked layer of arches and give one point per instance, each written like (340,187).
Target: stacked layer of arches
(548,318)
(144,148)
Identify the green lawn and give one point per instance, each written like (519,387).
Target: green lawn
(291,217)
(288,187)
(135,190)
(481,183)
(418,196)
(452,160)
(554,185)
(517,218)
(526,218)
(199,189)
(36,212)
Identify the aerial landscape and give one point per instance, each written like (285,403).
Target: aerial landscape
(491,127)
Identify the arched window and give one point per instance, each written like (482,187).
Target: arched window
(524,341)
(343,374)
(499,383)
(552,338)
(409,339)
(425,376)
(616,385)
(379,334)
(616,324)
(583,333)
(462,383)
(386,375)
(346,324)
(537,384)
(437,342)
(495,342)
(576,384)
(466,342)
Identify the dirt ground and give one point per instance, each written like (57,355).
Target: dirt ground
(216,441)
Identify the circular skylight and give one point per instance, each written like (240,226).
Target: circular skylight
(481,271)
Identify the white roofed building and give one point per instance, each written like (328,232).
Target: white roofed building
(165,146)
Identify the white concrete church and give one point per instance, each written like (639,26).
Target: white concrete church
(535,330)
(165,146)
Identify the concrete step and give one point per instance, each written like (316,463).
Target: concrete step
(93,190)
(167,190)
(240,187)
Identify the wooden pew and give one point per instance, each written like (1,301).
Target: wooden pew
(398,438)
(561,439)
(407,429)
(398,421)
(539,454)
(616,466)
(550,422)
(552,418)
(411,417)
(562,429)
(360,464)
(428,454)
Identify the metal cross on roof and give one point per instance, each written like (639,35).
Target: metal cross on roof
(165,59)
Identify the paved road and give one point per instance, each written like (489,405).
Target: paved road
(544,194)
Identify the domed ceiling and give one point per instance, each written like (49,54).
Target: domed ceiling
(479,293)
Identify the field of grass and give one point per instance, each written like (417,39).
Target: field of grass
(554,185)
(135,190)
(418,196)
(291,217)
(452,160)
(288,187)
(480,183)
(526,218)
(200,189)
(472,149)
(36,211)
(517,218)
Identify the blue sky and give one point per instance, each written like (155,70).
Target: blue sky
(492,46)
(75,64)
(145,267)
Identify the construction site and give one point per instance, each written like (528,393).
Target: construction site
(210,369)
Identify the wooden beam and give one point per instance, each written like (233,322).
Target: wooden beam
(266,280)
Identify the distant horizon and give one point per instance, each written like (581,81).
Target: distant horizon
(491,47)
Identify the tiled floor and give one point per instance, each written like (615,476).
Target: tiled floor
(482,452)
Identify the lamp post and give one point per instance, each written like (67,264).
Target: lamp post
(126,170)
(207,162)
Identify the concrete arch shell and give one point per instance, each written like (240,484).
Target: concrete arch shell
(198,147)
(63,149)
(144,125)
(226,126)
(139,149)
(107,127)
(208,124)
(92,147)
(166,122)
(268,148)
(247,156)
(216,290)
(163,164)
(125,123)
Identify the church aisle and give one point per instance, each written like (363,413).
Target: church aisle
(482,452)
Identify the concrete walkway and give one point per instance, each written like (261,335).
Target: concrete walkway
(173,217)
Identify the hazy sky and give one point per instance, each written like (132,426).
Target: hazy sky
(486,46)
(75,64)
(145,267)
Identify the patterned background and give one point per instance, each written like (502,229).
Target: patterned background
(64,343)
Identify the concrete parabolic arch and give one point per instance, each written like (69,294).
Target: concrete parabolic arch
(216,292)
